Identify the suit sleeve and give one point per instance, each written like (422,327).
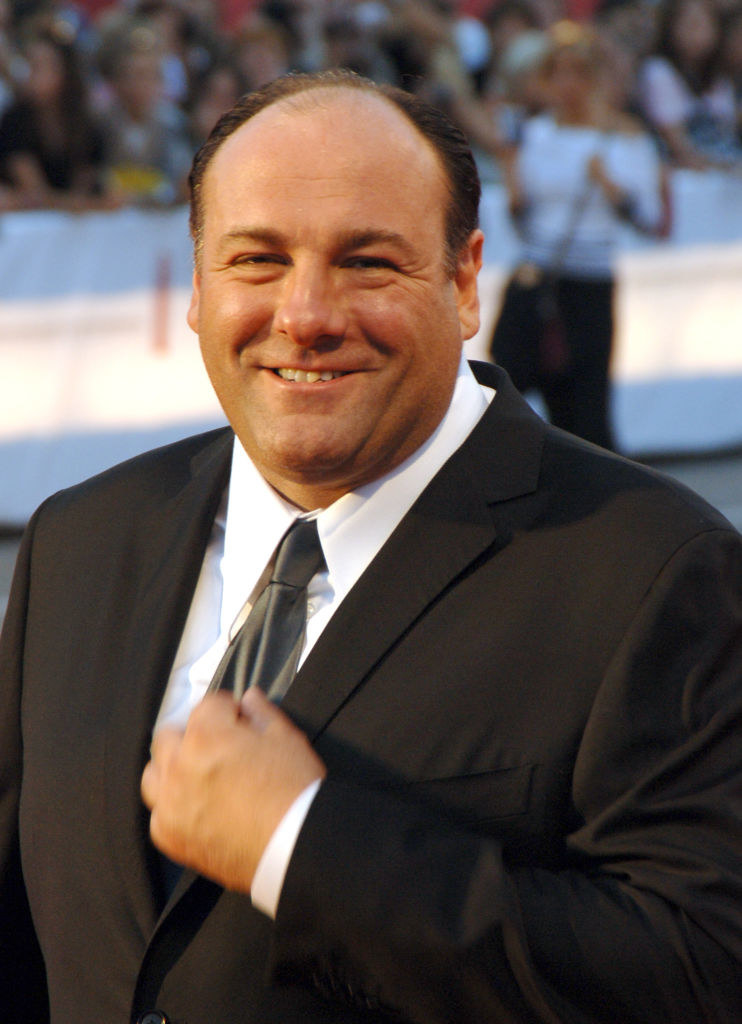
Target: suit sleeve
(22,979)
(387,905)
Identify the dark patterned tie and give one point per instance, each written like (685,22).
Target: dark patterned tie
(267,648)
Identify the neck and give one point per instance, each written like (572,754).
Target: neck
(303,496)
(591,113)
(574,116)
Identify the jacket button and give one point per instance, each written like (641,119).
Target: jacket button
(152,1017)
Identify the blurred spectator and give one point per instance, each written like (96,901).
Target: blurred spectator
(233,13)
(12,65)
(50,148)
(582,169)
(474,46)
(262,51)
(549,12)
(686,94)
(353,40)
(513,86)
(731,58)
(520,85)
(147,149)
(633,23)
(506,22)
(168,23)
(627,29)
(187,40)
(424,35)
(303,21)
(171,67)
(213,95)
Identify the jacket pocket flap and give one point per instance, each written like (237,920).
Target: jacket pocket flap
(481,797)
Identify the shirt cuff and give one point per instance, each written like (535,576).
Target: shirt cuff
(272,866)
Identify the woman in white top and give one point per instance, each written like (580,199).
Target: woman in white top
(581,169)
(684,92)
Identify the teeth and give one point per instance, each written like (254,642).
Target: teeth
(307,376)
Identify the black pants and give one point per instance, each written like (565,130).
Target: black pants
(577,396)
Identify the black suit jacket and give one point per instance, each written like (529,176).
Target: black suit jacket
(530,709)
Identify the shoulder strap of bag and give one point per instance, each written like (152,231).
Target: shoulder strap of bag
(578,208)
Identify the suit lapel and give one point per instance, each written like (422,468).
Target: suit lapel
(448,528)
(167,561)
(451,525)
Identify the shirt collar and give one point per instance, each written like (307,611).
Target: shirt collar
(353,529)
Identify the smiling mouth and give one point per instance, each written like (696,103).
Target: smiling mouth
(308,376)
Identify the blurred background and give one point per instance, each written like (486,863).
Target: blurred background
(102,106)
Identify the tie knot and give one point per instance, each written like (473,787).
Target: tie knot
(299,555)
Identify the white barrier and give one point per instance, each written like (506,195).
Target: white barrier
(97,362)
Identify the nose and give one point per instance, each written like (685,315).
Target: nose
(310,310)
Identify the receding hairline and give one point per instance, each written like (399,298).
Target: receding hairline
(451,151)
(321,97)
(315,94)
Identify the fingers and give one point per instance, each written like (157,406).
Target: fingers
(258,710)
(216,711)
(164,748)
(217,791)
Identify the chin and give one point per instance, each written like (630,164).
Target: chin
(308,464)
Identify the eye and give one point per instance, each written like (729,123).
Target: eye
(370,263)
(257,259)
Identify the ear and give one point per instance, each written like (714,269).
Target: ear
(465,284)
(193,309)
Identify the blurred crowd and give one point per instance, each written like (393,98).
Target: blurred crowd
(103,104)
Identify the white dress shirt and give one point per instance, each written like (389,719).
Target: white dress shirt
(251,521)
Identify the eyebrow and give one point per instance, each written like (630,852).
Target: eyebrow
(247,234)
(349,242)
(374,236)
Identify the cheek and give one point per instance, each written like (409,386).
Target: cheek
(407,320)
(432,360)
(227,320)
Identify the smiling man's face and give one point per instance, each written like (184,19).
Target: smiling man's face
(329,325)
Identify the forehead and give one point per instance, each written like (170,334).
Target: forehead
(329,143)
(139,64)
(572,59)
(40,51)
(693,11)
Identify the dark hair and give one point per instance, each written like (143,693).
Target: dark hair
(73,106)
(446,139)
(698,79)
(521,9)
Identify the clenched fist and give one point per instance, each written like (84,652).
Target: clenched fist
(218,790)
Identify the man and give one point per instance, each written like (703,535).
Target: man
(505,782)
